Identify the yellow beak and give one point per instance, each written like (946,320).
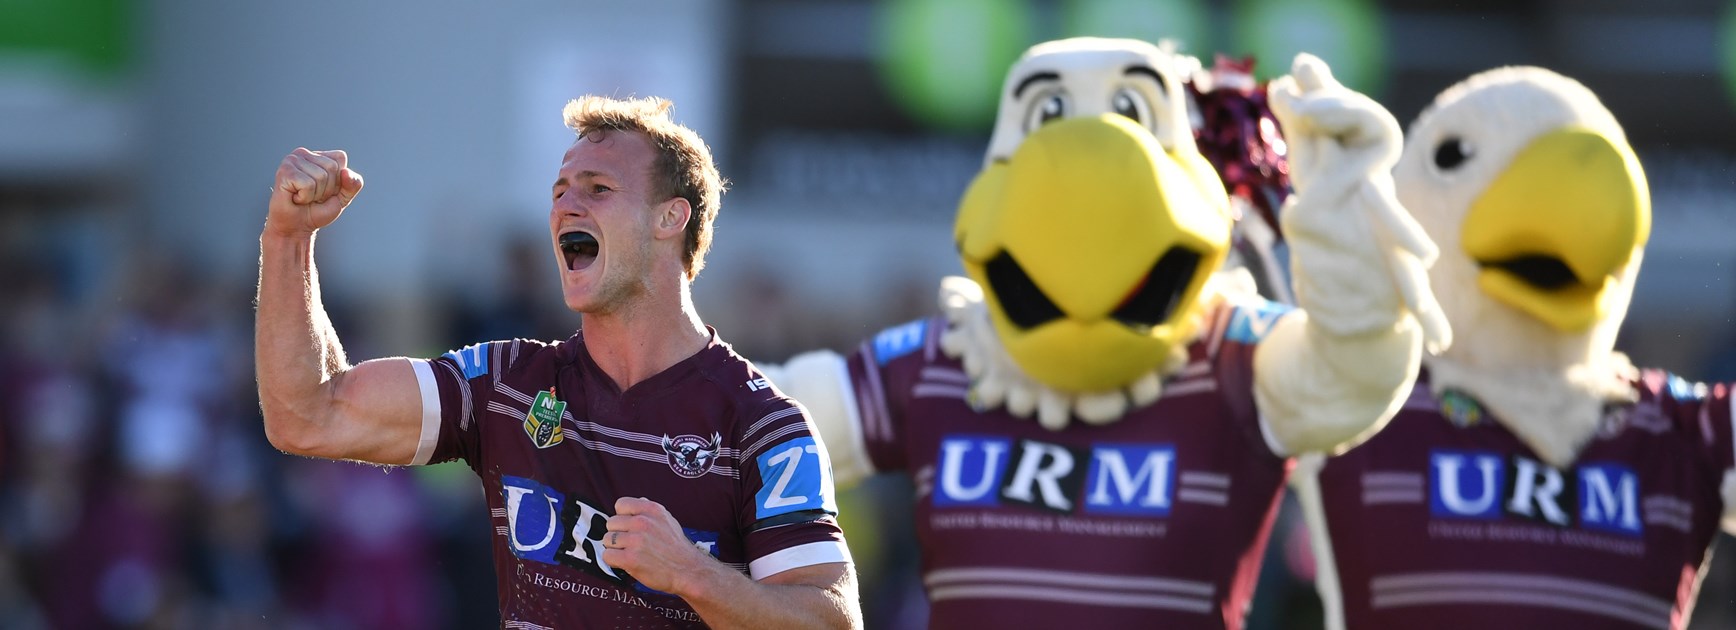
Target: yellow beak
(1555,230)
(1089,221)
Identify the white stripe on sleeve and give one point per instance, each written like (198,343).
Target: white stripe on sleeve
(430,412)
(797,557)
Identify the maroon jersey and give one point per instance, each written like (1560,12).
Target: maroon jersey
(1155,521)
(556,442)
(1445,519)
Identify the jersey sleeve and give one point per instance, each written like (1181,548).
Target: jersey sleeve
(455,388)
(1705,415)
(1721,421)
(878,372)
(1717,424)
(1236,333)
(787,476)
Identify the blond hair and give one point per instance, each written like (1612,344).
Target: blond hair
(681,168)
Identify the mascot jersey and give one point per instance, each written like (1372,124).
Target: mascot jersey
(556,443)
(1445,519)
(1157,520)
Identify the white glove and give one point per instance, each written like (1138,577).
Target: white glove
(1344,223)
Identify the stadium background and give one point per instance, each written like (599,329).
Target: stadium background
(138,140)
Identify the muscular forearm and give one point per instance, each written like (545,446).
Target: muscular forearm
(726,599)
(295,348)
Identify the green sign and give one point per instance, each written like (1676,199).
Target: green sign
(1727,45)
(1347,34)
(1184,21)
(88,35)
(944,62)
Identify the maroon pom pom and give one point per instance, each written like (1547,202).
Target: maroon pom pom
(1238,134)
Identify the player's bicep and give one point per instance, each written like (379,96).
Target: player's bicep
(378,413)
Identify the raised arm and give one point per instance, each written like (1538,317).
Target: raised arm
(314,402)
(1332,373)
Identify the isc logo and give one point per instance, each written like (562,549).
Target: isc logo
(1484,485)
(1127,479)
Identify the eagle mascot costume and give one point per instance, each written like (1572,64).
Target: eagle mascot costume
(1168,400)
(1534,478)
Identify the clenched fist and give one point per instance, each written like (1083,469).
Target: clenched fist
(647,542)
(311,190)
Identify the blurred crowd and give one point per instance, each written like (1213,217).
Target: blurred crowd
(137,489)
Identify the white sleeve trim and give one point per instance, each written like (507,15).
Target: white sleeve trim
(797,557)
(430,412)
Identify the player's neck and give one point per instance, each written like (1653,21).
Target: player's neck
(639,341)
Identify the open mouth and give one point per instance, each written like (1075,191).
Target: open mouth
(1158,294)
(1544,272)
(579,248)
(1148,304)
(1024,303)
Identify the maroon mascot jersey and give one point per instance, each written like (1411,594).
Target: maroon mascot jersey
(1157,520)
(1445,519)
(556,443)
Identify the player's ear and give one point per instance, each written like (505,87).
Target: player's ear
(672,217)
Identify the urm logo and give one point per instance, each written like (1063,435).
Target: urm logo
(1484,485)
(1124,479)
(546,526)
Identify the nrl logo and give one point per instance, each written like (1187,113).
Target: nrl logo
(690,455)
(543,423)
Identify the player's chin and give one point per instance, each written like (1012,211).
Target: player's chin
(578,299)
(584,292)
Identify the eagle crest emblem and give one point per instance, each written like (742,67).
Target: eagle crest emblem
(691,456)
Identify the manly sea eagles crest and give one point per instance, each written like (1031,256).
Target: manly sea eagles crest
(690,455)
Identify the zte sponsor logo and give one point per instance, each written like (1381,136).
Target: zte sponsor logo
(1123,479)
(544,525)
(1484,485)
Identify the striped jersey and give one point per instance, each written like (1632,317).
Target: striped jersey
(556,443)
(1445,519)
(1157,520)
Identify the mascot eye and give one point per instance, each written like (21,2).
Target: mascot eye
(1130,103)
(1451,153)
(1047,107)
